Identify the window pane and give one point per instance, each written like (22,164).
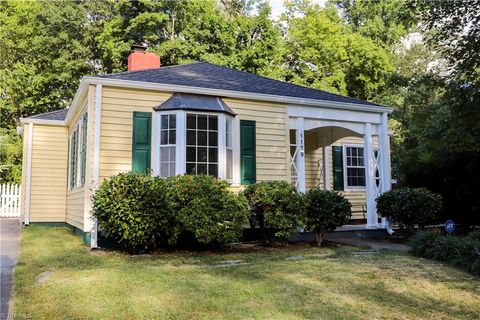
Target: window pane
(191,154)
(202,154)
(172,169)
(164,122)
(191,121)
(191,168)
(191,137)
(172,121)
(202,122)
(212,123)
(164,169)
(229,166)
(213,170)
(212,154)
(213,138)
(202,168)
(360,161)
(172,136)
(164,137)
(172,154)
(202,138)
(164,154)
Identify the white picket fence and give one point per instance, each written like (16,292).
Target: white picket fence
(10,200)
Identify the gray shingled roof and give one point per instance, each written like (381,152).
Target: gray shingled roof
(199,102)
(211,76)
(54,115)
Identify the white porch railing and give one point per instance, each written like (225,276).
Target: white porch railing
(10,200)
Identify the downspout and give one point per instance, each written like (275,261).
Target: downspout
(96,158)
(29,174)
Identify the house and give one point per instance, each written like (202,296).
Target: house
(200,118)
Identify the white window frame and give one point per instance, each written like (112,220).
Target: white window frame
(345,171)
(78,126)
(181,146)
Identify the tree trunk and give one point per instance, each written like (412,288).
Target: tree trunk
(319,238)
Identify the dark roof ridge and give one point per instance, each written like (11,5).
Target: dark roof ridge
(148,69)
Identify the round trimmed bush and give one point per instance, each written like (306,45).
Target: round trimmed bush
(205,208)
(408,206)
(132,209)
(276,208)
(326,210)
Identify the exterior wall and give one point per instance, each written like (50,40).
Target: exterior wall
(313,176)
(49,173)
(272,138)
(75,196)
(118,105)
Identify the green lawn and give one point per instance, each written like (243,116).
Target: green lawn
(327,284)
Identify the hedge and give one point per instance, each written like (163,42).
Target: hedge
(463,252)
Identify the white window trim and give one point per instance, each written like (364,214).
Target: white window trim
(181,156)
(346,187)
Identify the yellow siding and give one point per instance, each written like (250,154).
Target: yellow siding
(118,105)
(49,173)
(76,196)
(271,136)
(116,130)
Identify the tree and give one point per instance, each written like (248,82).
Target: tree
(186,31)
(45,50)
(385,22)
(453,28)
(324,53)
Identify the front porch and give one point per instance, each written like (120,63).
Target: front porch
(343,150)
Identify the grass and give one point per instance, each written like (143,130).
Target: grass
(326,284)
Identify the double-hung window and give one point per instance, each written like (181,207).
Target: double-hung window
(78,153)
(354,167)
(168,136)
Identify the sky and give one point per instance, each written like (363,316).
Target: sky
(277,6)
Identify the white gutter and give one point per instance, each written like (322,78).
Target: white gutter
(42,121)
(29,174)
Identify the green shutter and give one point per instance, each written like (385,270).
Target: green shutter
(337,157)
(142,123)
(248,173)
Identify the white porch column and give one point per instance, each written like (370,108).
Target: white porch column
(385,166)
(327,150)
(372,220)
(300,158)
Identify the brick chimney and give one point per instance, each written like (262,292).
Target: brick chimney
(140,59)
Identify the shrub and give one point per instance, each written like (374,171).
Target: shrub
(410,206)
(276,208)
(206,208)
(326,210)
(132,209)
(463,252)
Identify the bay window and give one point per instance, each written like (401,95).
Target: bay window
(194,135)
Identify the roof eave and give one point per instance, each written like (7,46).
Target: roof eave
(49,122)
(233,94)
